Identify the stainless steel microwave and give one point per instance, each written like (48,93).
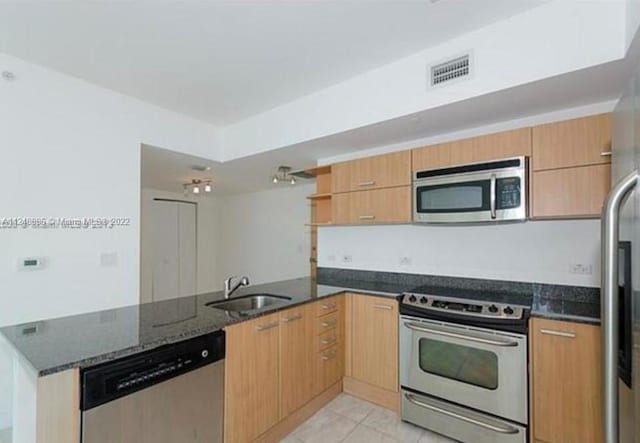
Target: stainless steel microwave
(478,192)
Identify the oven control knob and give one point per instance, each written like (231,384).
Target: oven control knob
(508,310)
(412,298)
(423,300)
(493,309)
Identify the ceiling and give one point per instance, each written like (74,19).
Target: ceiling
(222,61)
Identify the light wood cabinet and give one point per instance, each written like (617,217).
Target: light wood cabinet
(297,358)
(569,143)
(329,346)
(566,387)
(476,149)
(380,171)
(571,192)
(389,205)
(252,388)
(374,341)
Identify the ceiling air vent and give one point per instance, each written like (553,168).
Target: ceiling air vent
(450,70)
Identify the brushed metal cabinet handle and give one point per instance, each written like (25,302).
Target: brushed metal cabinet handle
(606,154)
(367,183)
(327,324)
(327,341)
(329,306)
(267,326)
(330,356)
(379,306)
(292,318)
(367,217)
(558,333)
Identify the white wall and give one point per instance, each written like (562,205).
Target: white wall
(209,226)
(264,235)
(550,40)
(71,149)
(540,251)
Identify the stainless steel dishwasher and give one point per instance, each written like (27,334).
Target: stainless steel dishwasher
(169,394)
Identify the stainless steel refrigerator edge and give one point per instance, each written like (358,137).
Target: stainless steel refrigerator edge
(621,222)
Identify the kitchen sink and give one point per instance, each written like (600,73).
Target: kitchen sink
(251,302)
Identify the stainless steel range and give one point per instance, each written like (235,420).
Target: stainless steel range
(463,366)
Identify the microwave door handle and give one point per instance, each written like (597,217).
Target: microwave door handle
(609,301)
(493,196)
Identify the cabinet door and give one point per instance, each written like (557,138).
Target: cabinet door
(374,341)
(566,382)
(389,205)
(442,155)
(502,145)
(577,142)
(381,171)
(251,378)
(341,177)
(571,192)
(297,357)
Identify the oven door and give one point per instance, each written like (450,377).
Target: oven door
(471,197)
(474,367)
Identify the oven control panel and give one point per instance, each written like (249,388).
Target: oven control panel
(462,306)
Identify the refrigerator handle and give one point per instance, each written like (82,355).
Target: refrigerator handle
(609,302)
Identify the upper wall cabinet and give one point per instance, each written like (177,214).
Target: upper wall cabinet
(380,171)
(571,167)
(477,149)
(578,142)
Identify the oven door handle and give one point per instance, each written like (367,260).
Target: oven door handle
(486,341)
(492,427)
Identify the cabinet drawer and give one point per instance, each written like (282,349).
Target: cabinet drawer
(327,322)
(328,339)
(389,205)
(577,142)
(330,367)
(380,171)
(327,306)
(571,192)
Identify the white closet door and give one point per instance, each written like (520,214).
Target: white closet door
(187,249)
(166,278)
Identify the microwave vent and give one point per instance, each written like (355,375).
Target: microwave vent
(456,68)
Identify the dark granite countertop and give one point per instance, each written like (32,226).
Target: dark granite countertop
(85,340)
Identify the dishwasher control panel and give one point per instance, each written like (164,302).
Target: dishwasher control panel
(111,380)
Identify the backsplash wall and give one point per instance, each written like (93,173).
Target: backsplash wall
(535,251)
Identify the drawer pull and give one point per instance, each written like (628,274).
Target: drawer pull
(367,183)
(606,154)
(558,333)
(330,356)
(378,306)
(328,341)
(329,306)
(328,324)
(292,318)
(367,217)
(267,326)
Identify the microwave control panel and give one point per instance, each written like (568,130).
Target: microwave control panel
(508,192)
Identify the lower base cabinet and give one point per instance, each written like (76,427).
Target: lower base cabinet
(566,382)
(278,363)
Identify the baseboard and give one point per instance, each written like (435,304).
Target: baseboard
(374,394)
(287,425)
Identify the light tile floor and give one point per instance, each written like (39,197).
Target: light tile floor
(351,420)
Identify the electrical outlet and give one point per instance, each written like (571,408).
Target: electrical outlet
(347,258)
(580,268)
(405,261)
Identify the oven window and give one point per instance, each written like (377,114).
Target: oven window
(456,197)
(469,365)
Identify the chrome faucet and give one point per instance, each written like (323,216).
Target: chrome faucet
(229,289)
